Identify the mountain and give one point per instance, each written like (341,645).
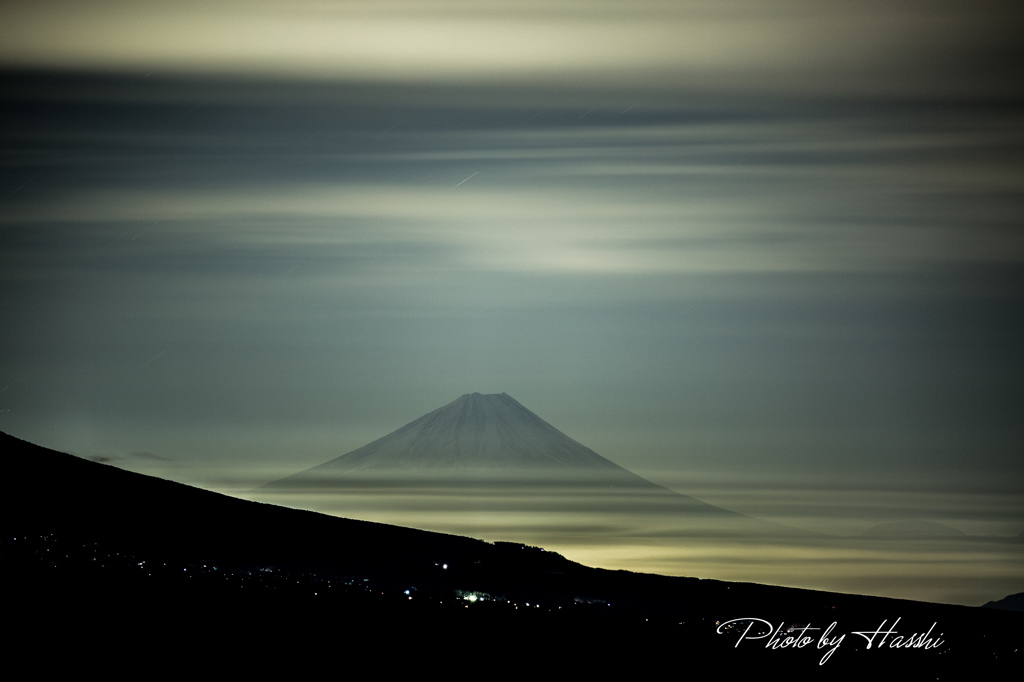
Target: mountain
(483,459)
(476,437)
(1013,602)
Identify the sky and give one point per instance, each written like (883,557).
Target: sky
(767,253)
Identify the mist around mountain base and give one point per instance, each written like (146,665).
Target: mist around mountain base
(486,467)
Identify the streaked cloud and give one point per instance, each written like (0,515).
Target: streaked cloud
(529,228)
(793,45)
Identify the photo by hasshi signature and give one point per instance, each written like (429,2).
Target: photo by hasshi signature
(803,636)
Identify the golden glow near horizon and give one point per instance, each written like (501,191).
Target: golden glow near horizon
(634,534)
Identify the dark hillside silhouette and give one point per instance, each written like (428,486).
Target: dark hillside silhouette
(92,555)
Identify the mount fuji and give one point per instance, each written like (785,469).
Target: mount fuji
(486,466)
(479,438)
(489,442)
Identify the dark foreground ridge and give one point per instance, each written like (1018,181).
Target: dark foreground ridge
(99,562)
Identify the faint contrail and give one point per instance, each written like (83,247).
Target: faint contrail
(23,184)
(467,178)
(154,358)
